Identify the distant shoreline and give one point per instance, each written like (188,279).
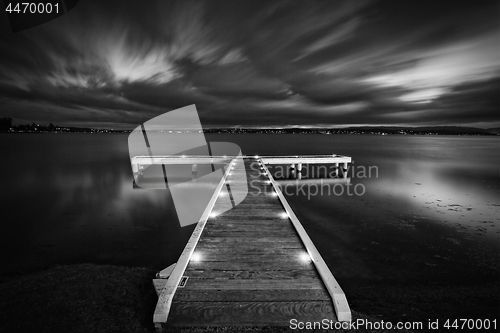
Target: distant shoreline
(409,131)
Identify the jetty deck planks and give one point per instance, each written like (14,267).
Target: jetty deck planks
(252,269)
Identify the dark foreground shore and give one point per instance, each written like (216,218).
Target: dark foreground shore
(104,298)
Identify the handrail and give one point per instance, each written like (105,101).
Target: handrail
(342,309)
(165,299)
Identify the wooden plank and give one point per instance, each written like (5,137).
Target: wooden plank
(240,240)
(251,284)
(286,233)
(230,256)
(282,265)
(246,249)
(228,217)
(262,204)
(306,159)
(251,274)
(248,313)
(255,244)
(246,209)
(264,214)
(213,295)
(250,227)
(251,220)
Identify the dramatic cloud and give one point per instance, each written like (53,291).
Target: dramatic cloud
(257,63)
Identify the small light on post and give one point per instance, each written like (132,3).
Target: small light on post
(213,214)
(284,215)
(304,257)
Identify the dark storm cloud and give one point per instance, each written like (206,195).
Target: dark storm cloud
(472,102)
(257,63)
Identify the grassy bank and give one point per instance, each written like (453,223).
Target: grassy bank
(79,298)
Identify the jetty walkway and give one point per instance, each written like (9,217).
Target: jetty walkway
(251,265)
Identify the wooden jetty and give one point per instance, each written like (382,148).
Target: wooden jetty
(252,265)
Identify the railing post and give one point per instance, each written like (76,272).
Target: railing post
(344,170)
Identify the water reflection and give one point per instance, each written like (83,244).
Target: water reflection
(70,199)
(446,191)
(72,202)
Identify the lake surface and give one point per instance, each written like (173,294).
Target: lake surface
(429,211)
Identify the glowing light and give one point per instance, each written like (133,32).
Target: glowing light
(304,257)
(213,214)
(196,257)
(222,194)
(284,215)
(256,156)
(274,194)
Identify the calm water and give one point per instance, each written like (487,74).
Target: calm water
(429,213)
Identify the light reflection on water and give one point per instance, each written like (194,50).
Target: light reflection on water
(68,198)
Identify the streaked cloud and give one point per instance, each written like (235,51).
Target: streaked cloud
(262,63)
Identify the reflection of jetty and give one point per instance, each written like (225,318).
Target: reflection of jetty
(253,264)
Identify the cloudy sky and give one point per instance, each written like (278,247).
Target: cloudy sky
(116,64)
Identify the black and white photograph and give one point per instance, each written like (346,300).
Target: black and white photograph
(194,166)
